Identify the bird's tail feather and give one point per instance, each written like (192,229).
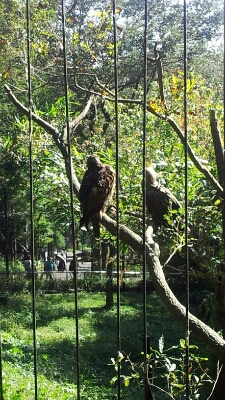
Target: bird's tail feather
(84,221)
(95,223)
(96,226)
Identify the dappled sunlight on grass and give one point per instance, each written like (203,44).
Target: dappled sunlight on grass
(56,342)
(20,386)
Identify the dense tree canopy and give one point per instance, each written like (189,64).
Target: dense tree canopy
(89,35)
(90,61)
(91,92)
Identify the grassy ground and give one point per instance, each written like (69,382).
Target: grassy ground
(56,344)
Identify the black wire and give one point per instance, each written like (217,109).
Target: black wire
(186,202)
(224,111)
(1,370)
(117,194)
(6,279)
(71,201)
(6,235)
(31,193)
(145,334)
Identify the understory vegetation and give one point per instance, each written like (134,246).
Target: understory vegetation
(61,101)
(56,347)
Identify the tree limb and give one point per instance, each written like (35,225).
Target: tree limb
(160,76)
(199,329)
(195,159)
(41,122)
(74,124)
(209,177)
(62,146)
(83,114)
(218,146)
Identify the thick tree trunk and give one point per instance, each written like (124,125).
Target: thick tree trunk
(109,290)
(96,256)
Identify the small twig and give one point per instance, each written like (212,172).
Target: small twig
(175,127)
(218,146)
(162,390)
(210,178)
(217,377)
(171,255)
(82,114)
(160,76)
(103,87)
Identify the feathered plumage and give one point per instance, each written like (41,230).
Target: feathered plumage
(96,188)
(159,200)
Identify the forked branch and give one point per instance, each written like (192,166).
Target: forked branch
(199,329)
(102,93)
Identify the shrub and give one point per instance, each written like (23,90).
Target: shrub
(166,371)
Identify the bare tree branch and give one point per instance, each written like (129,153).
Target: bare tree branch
(172,254)
(218,146)
(180,134)
(195,159)
(73,124)
(58,139)
(95,78)
(199,329)
(41,122)
(159,68)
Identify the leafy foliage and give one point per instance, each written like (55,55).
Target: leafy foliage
(166,372)
(56,339)
(90,61)
(89,36)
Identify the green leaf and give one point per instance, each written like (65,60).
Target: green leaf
(127,381)
(113,380)
(218,201)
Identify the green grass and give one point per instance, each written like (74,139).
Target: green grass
(56,343)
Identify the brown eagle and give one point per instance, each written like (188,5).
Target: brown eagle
(96,188)
(159,200)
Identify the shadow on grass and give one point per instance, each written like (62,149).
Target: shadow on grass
(98,331)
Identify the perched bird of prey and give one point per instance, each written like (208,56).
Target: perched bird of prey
(96,188)
(159,200)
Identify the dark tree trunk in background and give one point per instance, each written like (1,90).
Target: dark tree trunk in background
(219,389)
(107,262)
(96,258)
(219,284)
(205,333)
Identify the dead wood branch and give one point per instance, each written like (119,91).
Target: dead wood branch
(74,124)
(199,329)
(58,139)
(218,146)
(209,177)
(159,68)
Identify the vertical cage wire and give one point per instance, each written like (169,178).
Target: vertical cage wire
(29,87)
(224,112)
(117,198)
(146,339)
(186,199)
(71,198)
(1,370)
